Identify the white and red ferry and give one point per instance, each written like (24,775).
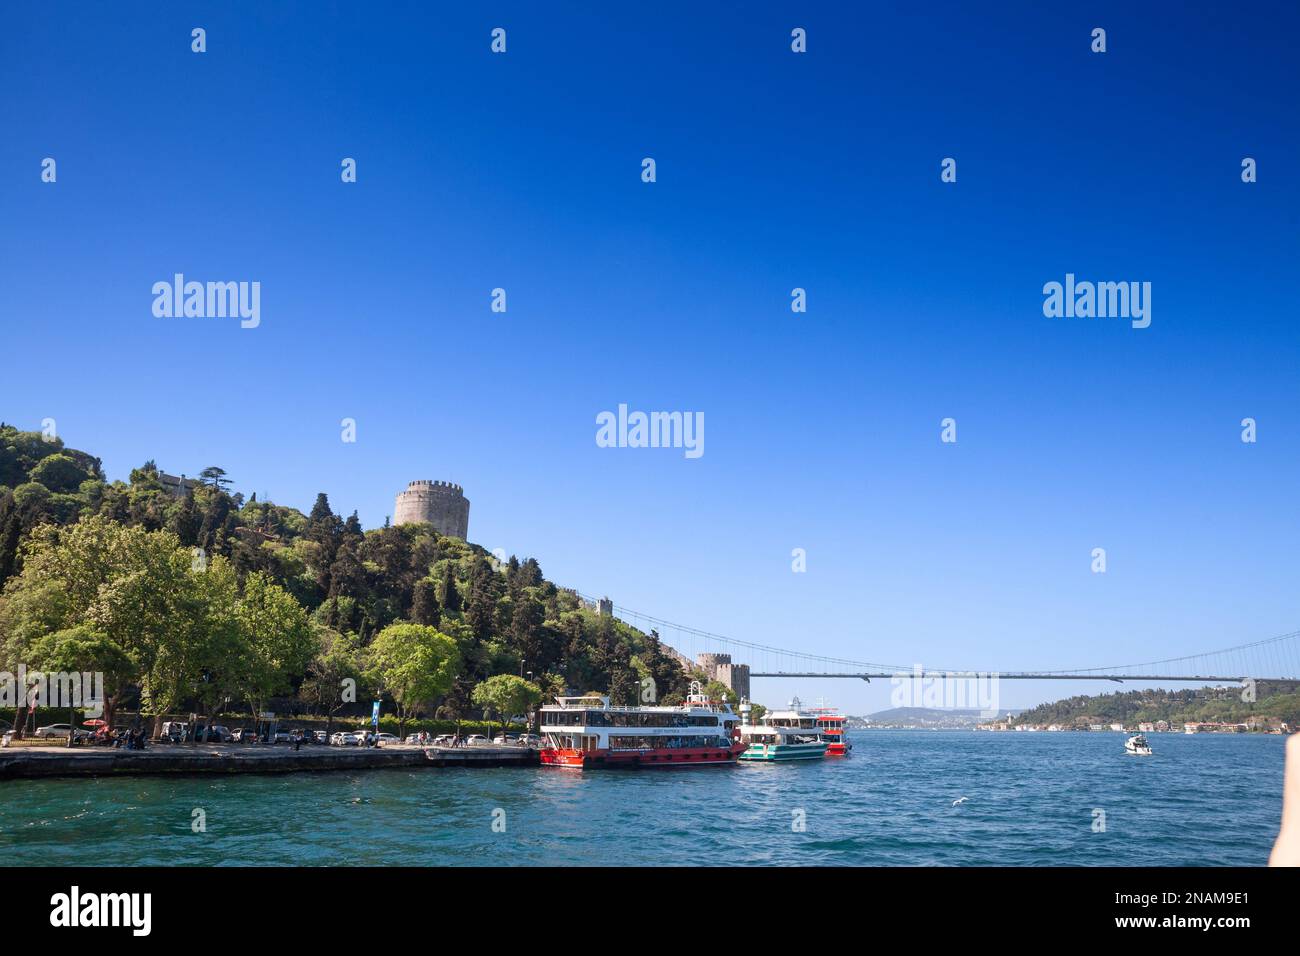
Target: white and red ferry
(830,728)
(582,733)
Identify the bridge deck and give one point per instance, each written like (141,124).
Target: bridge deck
(1023,675)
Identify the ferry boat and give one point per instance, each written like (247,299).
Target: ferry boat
(782,735)
(830,728)
(581,733)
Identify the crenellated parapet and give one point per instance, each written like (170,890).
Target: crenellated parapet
(440,503)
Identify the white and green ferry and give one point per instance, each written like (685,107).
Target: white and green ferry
(781,735)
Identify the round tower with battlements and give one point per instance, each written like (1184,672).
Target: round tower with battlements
(439,503)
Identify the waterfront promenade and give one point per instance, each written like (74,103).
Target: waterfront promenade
(60,761)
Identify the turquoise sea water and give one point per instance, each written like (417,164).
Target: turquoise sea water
(1201,800)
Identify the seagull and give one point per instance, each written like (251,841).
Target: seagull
(960,800)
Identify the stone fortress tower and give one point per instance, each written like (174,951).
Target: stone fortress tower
(439,503)
(720,668)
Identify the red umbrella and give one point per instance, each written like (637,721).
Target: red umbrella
(95,723)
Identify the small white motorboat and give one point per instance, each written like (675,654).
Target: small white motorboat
(1137,746)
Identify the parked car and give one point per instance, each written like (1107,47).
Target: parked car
(444,740)
(282,737)
(386,740)
(529,740)
(243,735)
(344,738)
(217,734)
(174,730)
(476,740)
(505,740)
(61,730)
(319,737)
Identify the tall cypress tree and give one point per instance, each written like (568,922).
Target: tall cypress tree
(424,606)
(450,595)
(11,530)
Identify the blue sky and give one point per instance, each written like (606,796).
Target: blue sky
(775,170)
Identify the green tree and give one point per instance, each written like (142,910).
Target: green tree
(215,476)
(276,640)
(716,690)
(424,606)
(135,587)
(413,664)
(450,594)
(527,632)
(507,695)
(335,675)
(60,473)
(82,649)
(185,521)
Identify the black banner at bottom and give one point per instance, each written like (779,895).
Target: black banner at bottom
(342,905)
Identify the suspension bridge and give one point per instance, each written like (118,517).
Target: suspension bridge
(1275,659)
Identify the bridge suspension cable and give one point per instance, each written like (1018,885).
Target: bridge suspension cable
(1274,658)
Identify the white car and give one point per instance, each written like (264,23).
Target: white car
(476,740)
(505,740)
(60,730)
(529,740)
(388,739)
(345,738)
(444,740)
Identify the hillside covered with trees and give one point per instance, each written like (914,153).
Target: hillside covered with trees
(208,601)
(1207,705)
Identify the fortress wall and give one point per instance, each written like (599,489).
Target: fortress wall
(439,503)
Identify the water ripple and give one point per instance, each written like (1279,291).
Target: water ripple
(1031,801)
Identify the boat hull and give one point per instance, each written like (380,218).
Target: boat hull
(772,753)
(639,759)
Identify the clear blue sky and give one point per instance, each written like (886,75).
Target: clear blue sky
(775,170)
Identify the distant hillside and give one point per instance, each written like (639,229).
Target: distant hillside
(1222,704)
(927,717)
